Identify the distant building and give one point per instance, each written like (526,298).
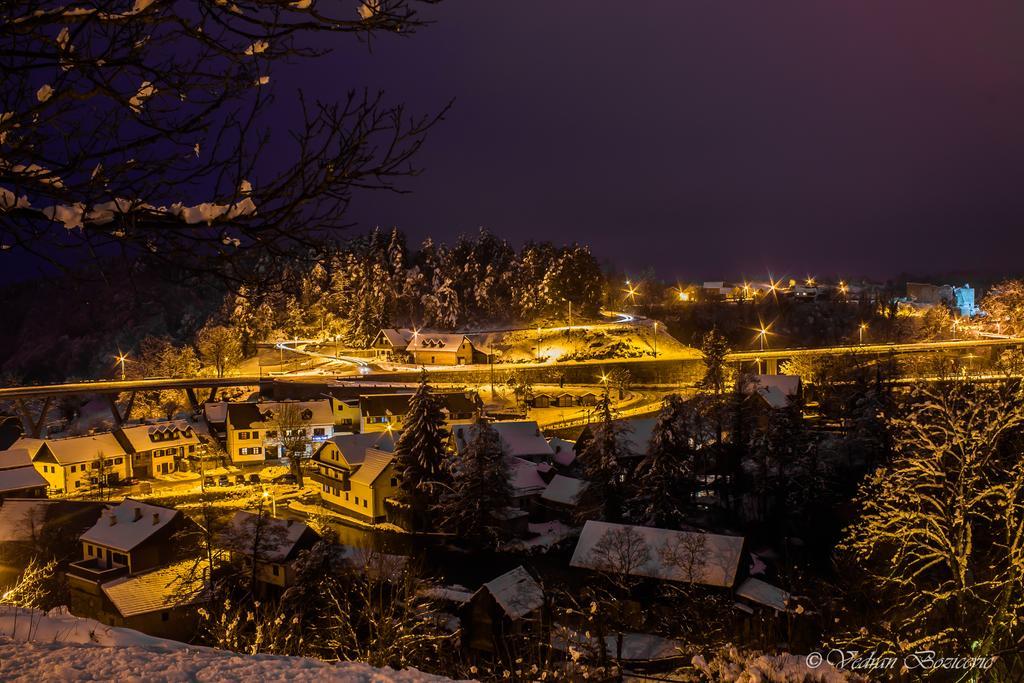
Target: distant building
(436,348)
(380,412)
(392,342)
(964,300)
(272,543)
(81,462)
(503,608)
(961,298)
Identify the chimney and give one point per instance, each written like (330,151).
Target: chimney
(138,515)
(156,518)
(113,518)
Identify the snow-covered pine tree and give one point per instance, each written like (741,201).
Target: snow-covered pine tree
(605,495)
(421,452)
(480,492)
(665,477)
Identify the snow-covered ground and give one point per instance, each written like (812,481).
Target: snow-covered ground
(35,646)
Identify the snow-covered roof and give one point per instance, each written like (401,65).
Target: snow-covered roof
(19,478)
(15,457)
(216,411)
(397,337)
(353,447)
(563,490)
(127,525)
(524,477)
(713,558)
(373,466)
(764,593)
(564,451)
(159,435)
(278,538)
(436,341)
(519,438)
(29,444)
(172,586)
(457,594)
(776,390)
(516,592)
(76,449)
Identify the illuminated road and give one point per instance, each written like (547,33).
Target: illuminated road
(874,349)
(117,386)
(361,363)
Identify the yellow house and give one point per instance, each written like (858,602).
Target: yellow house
(381,412)
(81,462)
(435,348)
(356,474)
(251,428)
(346,413)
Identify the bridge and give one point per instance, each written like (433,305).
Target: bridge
(772,357)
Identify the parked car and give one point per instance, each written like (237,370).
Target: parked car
(239,478)
(284,479)
(254,478)
(209,481)
(223,480)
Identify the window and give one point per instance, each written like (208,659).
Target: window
(271,433)
(394,481)
(72,468)
(119,558)
(255,435)
(346,495)
(88,550)
(191,448)
(243,435)
(118,461)
(78,484)
(325,487)
(157,453)
(357,500)
(276,569)
(364,502)
(319,431)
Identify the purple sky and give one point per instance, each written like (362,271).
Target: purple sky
(716,138)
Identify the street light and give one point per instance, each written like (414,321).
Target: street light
(273,502)
(121,358)
(762,336)
(863,326)
(655,339)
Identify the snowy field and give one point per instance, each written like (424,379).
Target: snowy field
(35,646)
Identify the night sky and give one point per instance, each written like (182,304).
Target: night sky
(716,138)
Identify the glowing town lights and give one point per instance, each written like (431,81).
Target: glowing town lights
(631,292)
(121,358)
(809,281)
(683,296)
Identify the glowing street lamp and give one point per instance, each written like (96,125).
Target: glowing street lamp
(762,336)
(655,339)
(843,288)
(809,281)
(267,495)
(121,358)
(863,326)
(631,292)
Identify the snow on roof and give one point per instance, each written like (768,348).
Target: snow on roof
(216,412)
(564,450)
(353,447)
(436,341)
(76,449)
(164,588)
(373,466)
(764,593)
(395,336)
(563,490)
(15,457)
(516,592)
(49,645)
(524,477)
(714,558)
(19,478)
(29,444)
(776,390)
(278,537)
(171,433)
(125,526)
(519,438)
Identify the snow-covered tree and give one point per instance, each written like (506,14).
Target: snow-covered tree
(665,477)
(480,493)
(291,422)
(1004,305)
(134,127)
(713,349)
(421,452)
(219,347)
(941,529)
(605,496)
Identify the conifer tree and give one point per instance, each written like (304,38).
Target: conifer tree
(420,451)
(604,497)
(666,474)
(480,490)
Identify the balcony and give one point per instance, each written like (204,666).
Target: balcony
(340,484)
(90,570)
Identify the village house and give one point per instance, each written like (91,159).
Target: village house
(80,462)
(162,602)
(159,448)
(391,343)
(564,453)
(272,543)
(252,428)
(436,348)
(519,439)
(503,609)
(559,497)
(18,476)
(129,539)
(356,474)
(381,412)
